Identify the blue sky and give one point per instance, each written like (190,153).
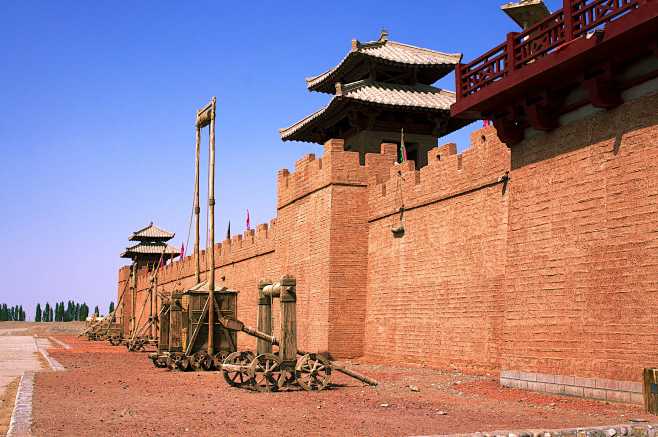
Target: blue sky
(97,104)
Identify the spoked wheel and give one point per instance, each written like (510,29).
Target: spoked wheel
(135,345)
(218,360)
(265,372)
(115,340)
(201,361)
(237,378)
(173,359)
(313,372)
(287,380)
(184,363)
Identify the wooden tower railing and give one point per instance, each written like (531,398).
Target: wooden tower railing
(576,19)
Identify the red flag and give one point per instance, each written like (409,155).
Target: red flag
(182,250)
(248,221)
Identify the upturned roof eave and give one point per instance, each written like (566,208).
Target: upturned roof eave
(325,82)
(300,131)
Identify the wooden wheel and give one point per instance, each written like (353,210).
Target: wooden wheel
(313,372)
(287,380)
(265,372)
(184,363)
(236,378)
(218,359)
(115,340)
(172,360)
(201,361)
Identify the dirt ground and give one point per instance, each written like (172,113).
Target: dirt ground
(42,329)
(108,391)
(7,405)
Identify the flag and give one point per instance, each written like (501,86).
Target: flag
(182,250)
(248,221)
(485,123)
(403,149)
(228,231)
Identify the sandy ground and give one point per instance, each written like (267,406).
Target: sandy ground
(108,391)
(41,329)
(19,353)
(7,404)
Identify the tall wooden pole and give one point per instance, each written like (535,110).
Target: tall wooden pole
(211,231)
(197,210)
(133,300)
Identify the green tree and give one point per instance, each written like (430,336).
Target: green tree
(37,313)
(51,315)
(84,311)
(111,310)
(96,311)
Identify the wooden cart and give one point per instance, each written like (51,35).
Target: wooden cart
(183,342)
(268,371)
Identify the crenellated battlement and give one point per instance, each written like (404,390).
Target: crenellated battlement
(336,166)
(249,244)
(447,173)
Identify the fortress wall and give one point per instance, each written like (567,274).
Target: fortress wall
(550,274)
(434,295)
(582,259)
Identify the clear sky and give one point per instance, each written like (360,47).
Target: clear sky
(97,107)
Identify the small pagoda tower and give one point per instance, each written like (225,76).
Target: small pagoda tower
(152,241)
(380,88)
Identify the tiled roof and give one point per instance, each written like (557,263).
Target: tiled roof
(386,51)
(150,249)
(151,232)
(417,97)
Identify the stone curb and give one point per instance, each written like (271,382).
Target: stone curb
(53,363)
(21,418)
(61,343)
(629,430)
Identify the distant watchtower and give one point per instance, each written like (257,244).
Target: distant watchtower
(152,244)
(379,88)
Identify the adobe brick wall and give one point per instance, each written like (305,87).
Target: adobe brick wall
(434,294)
(581,291)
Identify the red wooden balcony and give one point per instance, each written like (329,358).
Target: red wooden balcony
(583,43)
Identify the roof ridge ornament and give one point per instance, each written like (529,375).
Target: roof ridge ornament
(339,89)
(383,36)
(356,45)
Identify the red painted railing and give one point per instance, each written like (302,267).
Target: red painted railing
(574,20)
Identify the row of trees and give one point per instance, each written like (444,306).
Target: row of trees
(14,313)
(61,313)
(58,313)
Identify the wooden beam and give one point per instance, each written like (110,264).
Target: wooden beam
(603,91)
(509,131)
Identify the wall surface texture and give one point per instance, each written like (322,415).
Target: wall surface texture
(540,262)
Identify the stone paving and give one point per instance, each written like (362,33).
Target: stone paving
(17,356)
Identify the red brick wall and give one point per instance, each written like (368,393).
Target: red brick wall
(582,257)
(434,294)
